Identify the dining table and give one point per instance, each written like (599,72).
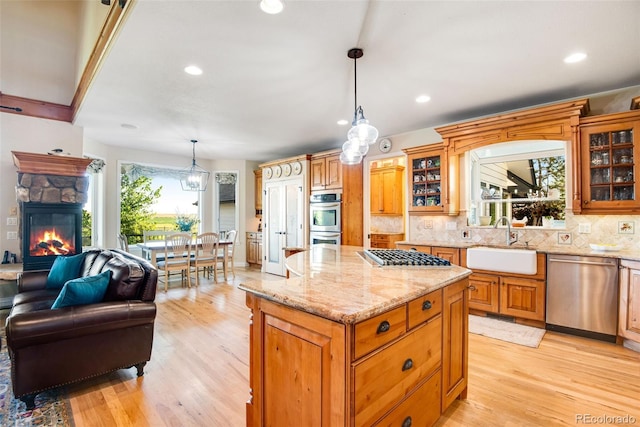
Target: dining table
(155,246)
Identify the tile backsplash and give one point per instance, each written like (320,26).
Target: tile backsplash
(578,232)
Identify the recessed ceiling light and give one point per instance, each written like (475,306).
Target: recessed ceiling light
(423,98)
(193,70)
(343,122)
(128,126)
(575,57)
(272,7)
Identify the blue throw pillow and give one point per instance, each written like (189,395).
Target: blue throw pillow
(64,268)
(84,290)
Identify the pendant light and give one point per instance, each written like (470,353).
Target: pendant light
(194,178)
(362,134)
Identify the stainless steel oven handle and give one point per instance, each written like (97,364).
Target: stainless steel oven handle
(325,205)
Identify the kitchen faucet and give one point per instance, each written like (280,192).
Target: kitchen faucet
(510,241)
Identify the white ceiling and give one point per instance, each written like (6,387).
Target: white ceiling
(275,85)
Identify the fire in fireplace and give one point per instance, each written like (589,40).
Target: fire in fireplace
(50,230)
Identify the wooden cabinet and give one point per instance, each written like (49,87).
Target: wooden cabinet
(326,171)
(629,311)
(609,153)
(386,240)
(258,194)
(254,248)
(455,352)
(386,190)
(400,367)
(517,295)
(450,254)
(427,181)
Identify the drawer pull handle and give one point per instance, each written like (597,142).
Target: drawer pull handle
(384,326)
(407,422)
(472,288)
(426,305)
(408,364)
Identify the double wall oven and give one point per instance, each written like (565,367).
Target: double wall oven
(325,210)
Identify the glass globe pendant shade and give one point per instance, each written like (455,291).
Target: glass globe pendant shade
(356,147)
(350,157)
(361,129)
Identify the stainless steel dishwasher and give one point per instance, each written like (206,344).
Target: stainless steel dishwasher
(582,295)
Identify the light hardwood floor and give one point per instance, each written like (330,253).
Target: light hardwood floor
(198,373)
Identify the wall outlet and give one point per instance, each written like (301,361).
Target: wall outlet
(584,228)
(451,225)
(428,224)
(12,220)
(12,235)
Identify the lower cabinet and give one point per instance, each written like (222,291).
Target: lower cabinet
(629,311)
(518,296)
(402,367)
(254,248)
(385,240)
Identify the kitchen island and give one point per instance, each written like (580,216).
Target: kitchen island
(345,342)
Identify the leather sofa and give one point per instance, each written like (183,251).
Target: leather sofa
(49,348)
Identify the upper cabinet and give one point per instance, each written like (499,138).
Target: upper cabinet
(258,197)
(326,171)
(609,151)
(427,179)
(386,190)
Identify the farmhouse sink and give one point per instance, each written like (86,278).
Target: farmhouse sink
(521,261)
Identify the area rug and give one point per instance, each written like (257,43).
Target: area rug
(52,407)
(506,331)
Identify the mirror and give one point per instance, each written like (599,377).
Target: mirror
(226,207)
(524,181)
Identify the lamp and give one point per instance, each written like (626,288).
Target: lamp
(361,134)
(272,7)
(194,178)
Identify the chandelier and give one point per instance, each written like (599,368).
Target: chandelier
(194,178)
(362,134)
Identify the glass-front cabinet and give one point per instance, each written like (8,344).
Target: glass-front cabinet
(610,157)
(427,179)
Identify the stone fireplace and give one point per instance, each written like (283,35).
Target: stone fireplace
(51,191)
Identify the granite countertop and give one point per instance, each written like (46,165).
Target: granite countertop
(569,250)
(338,284)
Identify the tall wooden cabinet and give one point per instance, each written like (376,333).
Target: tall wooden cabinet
(609,158)
(258,194)
(326,171)
(629,311)
(386,190)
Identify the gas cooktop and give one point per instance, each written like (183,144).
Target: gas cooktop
(402,257)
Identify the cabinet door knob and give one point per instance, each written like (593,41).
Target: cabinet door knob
(384,326)
(426,305)
(472,288)
(407,422)
(408,364)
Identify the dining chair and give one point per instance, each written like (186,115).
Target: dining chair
(205,255)
(177,257)
(123,242)
(232,236)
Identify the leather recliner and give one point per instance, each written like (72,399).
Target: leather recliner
(49,348)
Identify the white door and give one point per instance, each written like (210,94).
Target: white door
(283,226)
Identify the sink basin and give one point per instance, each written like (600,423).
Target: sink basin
(521,261)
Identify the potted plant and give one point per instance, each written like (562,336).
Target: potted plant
(185,222)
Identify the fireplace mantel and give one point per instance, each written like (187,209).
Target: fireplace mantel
(47,164)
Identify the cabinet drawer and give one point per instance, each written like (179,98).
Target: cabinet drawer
(379,330)
(424,308)
(421,409)
(385,378)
